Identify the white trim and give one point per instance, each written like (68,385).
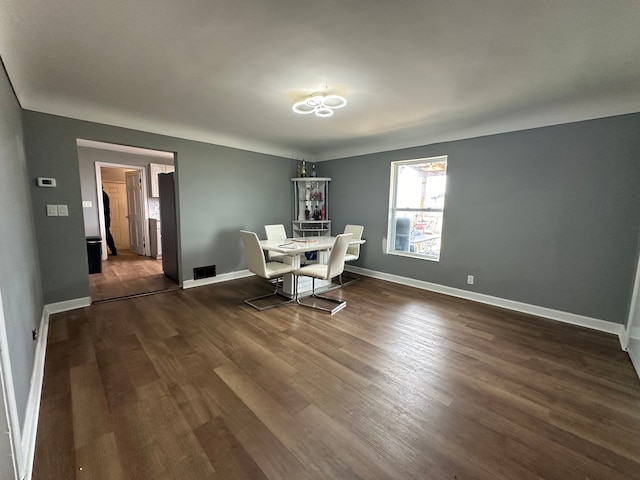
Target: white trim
(30,430)
(634,344)
(636,363)
(558,315)
(58,307)
(624,340)
(633,308)
(6,382)
(565,317)
(225,277)
(393,208)
(26,442)
(116,147)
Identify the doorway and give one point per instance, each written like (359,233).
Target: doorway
(114,186)
(122,173)
(135,209)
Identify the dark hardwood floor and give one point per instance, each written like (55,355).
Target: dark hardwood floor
(401,384)
(128,274)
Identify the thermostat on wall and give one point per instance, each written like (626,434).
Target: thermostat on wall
(46,182)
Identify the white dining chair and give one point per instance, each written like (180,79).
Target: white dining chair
(332,269)
(267,270)
(275,232)
(353,251)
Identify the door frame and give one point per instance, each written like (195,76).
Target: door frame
(630,342)
(15,435)
(145,206)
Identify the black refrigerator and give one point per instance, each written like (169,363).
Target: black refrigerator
(168,225)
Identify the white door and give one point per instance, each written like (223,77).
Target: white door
(118,205)
(135,212)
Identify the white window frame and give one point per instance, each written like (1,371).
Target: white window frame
(393,209)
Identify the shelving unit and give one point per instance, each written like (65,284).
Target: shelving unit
(154,170)
(311,207)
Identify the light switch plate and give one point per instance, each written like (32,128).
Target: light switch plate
(63,211)
(86,204)
(52,210)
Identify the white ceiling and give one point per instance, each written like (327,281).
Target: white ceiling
(414,71)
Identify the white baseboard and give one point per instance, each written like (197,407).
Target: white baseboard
(566,317)
(8,397)
(225,277)
(32,412)
(67,305)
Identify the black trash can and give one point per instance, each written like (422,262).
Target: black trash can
(94,254)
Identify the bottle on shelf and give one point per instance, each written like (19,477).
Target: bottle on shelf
(323,213)
(313,170)
(303,169)
(307,212)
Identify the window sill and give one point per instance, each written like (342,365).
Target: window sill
(402,253)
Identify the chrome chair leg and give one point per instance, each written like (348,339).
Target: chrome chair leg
(338,304)
(275,293)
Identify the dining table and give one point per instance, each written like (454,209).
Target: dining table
(295,249)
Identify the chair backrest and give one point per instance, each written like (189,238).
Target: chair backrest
(275,232)
(335,265)
(356,230)
(255,255)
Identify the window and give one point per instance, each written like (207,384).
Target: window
(416,207)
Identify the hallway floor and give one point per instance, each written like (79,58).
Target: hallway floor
(128,274)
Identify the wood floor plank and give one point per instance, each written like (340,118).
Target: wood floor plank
(227,455)
(91,420)
(171,437)
(56,407)
(271,455)
(282,423)
(274,416)
(573,456)
(348,446)
(402,384)
(99,459)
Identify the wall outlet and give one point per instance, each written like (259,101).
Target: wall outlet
(34,333)
(470,279)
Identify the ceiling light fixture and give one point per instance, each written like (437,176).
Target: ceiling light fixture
(320,104)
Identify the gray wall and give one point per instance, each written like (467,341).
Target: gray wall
(87,158)
(19,270)
(221,190)
(548,216)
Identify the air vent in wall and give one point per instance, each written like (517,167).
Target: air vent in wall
(204,272)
